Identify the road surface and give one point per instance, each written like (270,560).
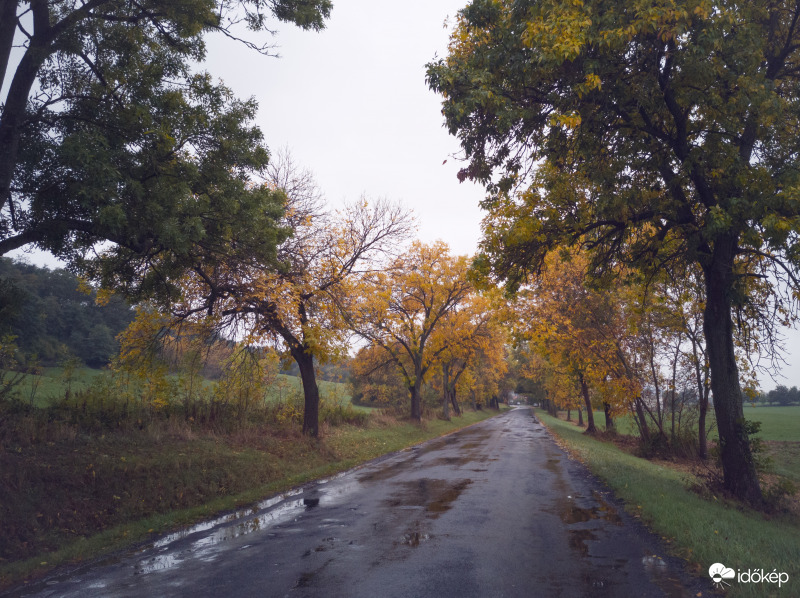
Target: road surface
(494,510)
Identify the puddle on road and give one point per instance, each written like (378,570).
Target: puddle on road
(261,516)
(470,441)
(578,539)
(659,573)
(552,465)
(389,471)
(601,586)
(460,461)
(231,517)
(156,563)
(655,567)
(414,539)
(571,513)
(447,461)
(436,496)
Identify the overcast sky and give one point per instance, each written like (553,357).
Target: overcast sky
(352,105)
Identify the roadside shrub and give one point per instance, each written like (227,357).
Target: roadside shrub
(338,414)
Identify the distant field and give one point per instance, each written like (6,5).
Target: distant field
(51,385)
(777,423)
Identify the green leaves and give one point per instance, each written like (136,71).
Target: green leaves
(107,135)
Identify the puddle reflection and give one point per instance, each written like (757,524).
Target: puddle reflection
(436,496)
(571,513)
(261,516)
(659,572)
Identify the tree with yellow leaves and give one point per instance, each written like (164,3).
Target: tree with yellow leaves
(375,379)
(401,309)
(301,305)
(473,359)
(586,338)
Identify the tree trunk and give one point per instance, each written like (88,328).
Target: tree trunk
(590,428)
(454,403)
(8,25)
(416,398)
(644,431)
(702,395)
(738,468)
(580,417)
(305,361)
(609,419)
(569,414)
(445,394)
(13,116)
(672,424)
(702,442)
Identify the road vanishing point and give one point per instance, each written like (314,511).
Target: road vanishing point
(496,509)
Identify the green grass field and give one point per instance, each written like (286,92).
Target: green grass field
(701,530)
(51,384)
(777,423)
(41,390)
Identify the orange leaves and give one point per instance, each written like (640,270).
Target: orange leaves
(578,332)
(406,309)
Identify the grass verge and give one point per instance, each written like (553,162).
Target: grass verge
(701,531)
(73,500)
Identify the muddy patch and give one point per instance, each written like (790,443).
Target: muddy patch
(450,461)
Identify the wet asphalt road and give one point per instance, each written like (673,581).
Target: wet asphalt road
(494,510)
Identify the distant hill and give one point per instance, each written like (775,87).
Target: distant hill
(53,319)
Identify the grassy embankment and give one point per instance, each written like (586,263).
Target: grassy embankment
(701,530)
(780,434)
(67,495)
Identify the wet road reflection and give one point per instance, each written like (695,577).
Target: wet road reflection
(494,510)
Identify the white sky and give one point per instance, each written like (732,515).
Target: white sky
(352,105)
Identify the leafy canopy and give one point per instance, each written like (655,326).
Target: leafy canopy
(107,133)
(648,131)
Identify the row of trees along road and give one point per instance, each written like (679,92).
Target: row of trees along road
(422,316)
(108,135)
(633,348)
(651,134)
